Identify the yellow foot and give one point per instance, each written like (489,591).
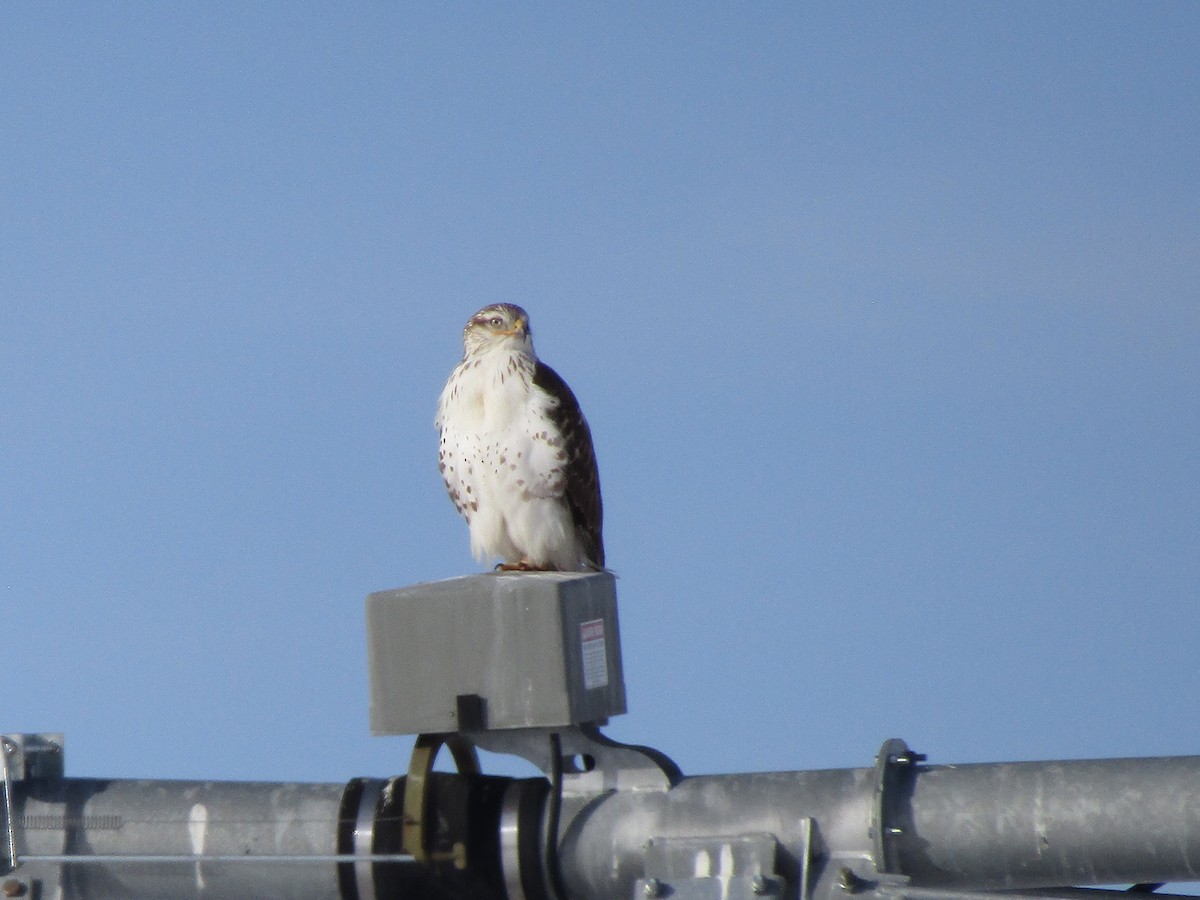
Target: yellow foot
(522,566)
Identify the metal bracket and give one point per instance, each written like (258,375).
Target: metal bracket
(734,867)
(24,757)
(805,860)
(30,756)
(416,800)
(591,763)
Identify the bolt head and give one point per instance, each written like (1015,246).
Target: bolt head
(760,884)
(652,888)
(848,881)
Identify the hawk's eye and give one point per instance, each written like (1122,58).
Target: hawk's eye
(495,321)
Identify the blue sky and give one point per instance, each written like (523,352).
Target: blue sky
(885,317)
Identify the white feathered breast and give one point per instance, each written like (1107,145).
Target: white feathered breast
(503,461)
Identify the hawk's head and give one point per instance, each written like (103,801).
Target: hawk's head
(498,325)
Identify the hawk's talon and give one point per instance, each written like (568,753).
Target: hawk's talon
(523,566)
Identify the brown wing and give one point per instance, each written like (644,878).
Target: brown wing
(583,478)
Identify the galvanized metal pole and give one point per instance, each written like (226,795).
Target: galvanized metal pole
(142,839)
(970,828)
(1035,823)
(898,830)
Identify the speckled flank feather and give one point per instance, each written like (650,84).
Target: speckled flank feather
(579,456)
(516,452)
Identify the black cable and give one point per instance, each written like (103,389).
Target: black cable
(552,816)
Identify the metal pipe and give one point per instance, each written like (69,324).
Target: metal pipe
(983,827)
(173,838)
(965,828)
(1037,823)
(75,859)
(602,852)
(134,840)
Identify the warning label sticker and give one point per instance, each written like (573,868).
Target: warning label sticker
(595,659)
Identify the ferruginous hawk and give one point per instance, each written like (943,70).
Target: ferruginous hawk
(516,452)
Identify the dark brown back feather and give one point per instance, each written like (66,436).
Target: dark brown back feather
(583,477)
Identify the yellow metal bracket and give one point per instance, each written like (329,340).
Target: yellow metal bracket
(416,793)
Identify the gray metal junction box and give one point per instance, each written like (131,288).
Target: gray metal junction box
(495,651)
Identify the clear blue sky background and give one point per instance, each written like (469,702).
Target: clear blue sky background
(885,316)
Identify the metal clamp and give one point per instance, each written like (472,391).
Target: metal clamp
(893,765)
(416,788)
(24,757)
